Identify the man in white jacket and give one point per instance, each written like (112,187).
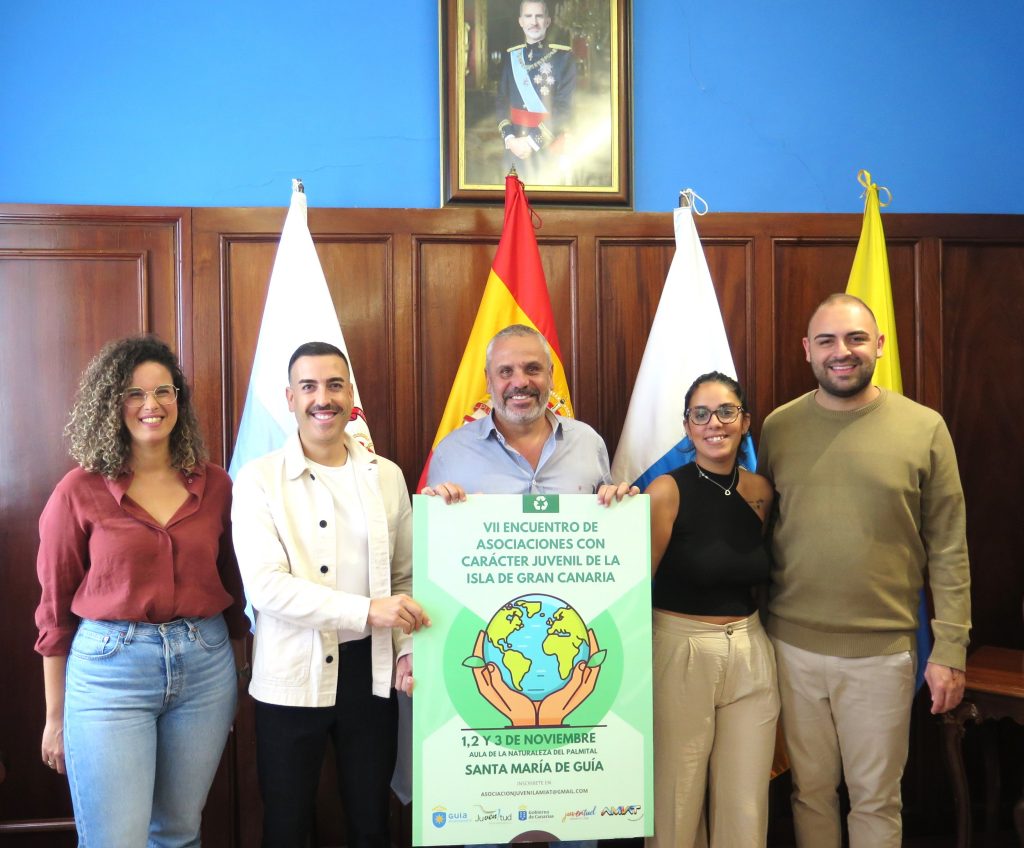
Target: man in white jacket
(323,533)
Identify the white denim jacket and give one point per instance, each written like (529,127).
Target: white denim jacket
(284,528)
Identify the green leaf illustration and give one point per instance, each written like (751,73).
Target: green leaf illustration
(597,659)
(473,662)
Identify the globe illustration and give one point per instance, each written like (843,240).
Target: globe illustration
(535,640)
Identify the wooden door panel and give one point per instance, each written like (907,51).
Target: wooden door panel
(358,278)
(68,285)
(630,278)
(983,403)
(630,282)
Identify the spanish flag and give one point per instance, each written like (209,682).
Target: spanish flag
(516,293)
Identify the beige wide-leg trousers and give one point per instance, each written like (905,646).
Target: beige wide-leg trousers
(715,706)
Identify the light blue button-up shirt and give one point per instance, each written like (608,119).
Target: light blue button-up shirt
(574,460)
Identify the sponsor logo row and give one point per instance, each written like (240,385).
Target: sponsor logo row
(441,816)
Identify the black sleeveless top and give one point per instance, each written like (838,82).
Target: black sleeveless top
(716,554)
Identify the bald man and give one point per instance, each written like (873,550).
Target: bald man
(869,506)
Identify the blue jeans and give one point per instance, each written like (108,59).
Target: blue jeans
(147,711)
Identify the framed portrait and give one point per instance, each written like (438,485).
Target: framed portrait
(542,86)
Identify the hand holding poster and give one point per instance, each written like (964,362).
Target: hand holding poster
(532,713)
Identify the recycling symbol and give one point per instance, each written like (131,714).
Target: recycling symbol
(540,503)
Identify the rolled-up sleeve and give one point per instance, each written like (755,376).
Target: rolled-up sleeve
(61,564)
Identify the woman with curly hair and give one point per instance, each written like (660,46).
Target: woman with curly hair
(140,594)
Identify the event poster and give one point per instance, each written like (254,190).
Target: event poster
(532,706)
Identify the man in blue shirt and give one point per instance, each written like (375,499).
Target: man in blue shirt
(521,447)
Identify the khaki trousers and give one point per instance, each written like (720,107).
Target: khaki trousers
(715,707)
(846,717)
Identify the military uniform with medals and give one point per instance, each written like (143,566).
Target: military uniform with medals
(535,102)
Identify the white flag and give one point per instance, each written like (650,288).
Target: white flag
(687,339)
(299,309)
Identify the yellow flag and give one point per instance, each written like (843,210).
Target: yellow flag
(869,280)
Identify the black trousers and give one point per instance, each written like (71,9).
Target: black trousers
(290,745)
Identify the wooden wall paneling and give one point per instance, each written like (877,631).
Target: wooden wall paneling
(233,267)
(407,284)
(928,309)
(808,270)
(407,414)
(233,251)
(558,256)
(561,262)
(630,278)
(71,279)
(982,360)
(452,274)
(805,272)
(730,263)
(247,260)
(358,276)
(761,389)
(586,381)
(903,272)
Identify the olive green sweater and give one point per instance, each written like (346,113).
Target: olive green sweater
(869,505)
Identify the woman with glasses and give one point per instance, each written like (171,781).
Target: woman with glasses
(140,595)
(715,693)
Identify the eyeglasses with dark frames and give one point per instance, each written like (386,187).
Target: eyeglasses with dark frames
(726,413)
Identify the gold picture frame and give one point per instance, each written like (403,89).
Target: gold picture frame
(565,104)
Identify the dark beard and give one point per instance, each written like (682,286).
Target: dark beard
(826,385)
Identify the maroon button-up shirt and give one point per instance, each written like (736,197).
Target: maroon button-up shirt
(102,556)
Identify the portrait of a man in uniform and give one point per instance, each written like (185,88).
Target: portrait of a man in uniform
(534,102)
(537,90)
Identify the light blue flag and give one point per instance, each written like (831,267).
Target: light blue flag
(687,339)
(299,309)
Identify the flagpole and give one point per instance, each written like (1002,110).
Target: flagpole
(688,199)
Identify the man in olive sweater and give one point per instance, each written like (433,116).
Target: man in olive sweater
(869,505)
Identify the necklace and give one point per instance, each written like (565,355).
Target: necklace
(728,491)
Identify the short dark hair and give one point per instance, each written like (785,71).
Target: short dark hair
(316,349)
(716,377)
(841,297)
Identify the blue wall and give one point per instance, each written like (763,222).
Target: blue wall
(759,106)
